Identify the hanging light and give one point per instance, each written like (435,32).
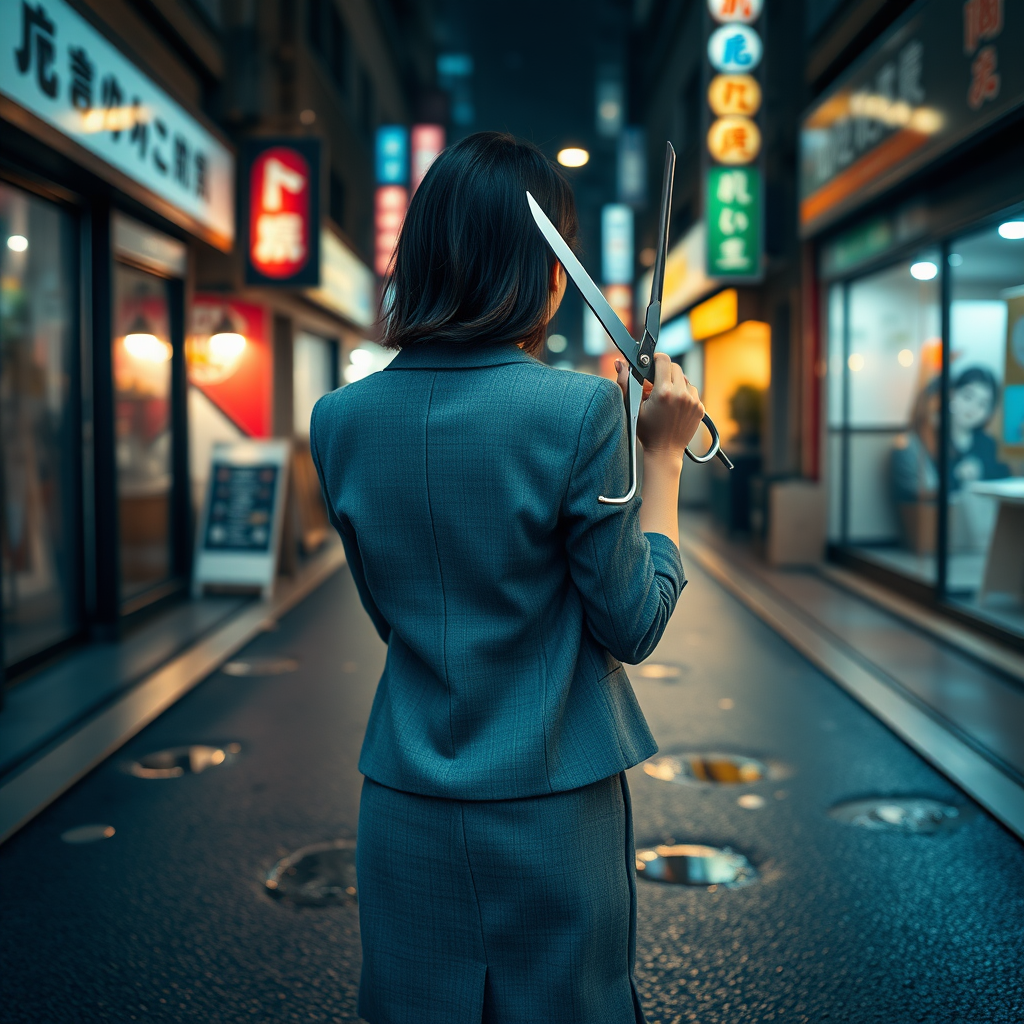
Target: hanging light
(213,358)
(142,344)
(573,156)
(226,344)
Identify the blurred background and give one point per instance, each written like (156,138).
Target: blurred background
(199,200)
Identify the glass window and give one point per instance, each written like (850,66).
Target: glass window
(39,512)
(314,363)
(985,533)
(885,356)
(142,396)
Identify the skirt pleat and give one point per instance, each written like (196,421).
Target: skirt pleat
(501,911)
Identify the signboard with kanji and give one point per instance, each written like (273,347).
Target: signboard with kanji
(56,67)
(281,185)
(733,211)
(945,71)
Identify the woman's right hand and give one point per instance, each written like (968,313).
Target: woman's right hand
(671,412)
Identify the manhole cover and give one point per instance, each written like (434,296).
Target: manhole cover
(696,865)
(178,761)
(87,834)
(261,667)
(728,769)
(322,875)
(666,673)
(917,815)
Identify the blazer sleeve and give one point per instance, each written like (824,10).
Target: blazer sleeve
(347,534)
(629,581)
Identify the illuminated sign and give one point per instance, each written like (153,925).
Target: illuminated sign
(715,316)
(732,175)
(282,243)
(390,205)
(945,71)
(427,143)
(392,155)
(617,243)
(347,284)
(56,66)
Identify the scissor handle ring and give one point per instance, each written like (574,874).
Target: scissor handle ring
(715,443)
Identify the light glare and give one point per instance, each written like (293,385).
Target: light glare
(573,156)
(227,346)
(855,362)
(147,348)
(558,342)
(1012,229)
(17,243)
(923,271)
(905,357)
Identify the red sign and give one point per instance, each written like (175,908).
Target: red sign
(391,203)
(229,359)
(280,234)
(427,143)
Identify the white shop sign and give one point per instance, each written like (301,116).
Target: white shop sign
(239,535)
(54,64)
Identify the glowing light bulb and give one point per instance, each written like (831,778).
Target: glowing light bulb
(573,156)
(1012,229)
(17,243)
(147,348)
(855,362)
(923,271)
(227,346)
(905,357)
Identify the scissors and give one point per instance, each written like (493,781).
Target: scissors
(639,355)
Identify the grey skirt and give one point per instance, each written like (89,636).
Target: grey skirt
(498,911)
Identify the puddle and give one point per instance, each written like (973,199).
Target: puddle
(915,815)
(689,864)
(261,667)
(708,767)
(321,875)
(662,672)
(175,762)
(87,834)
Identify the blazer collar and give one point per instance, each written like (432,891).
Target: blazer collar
(441,356)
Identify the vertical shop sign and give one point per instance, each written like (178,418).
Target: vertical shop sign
(390,205)
(282,193)
(427,143)
(392,155)
(733,184)
(617,243)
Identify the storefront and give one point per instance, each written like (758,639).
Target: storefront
(913,197)
(108,185)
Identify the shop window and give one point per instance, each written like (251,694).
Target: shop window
(884,362)
(39,512)
(142,396)
(985,468)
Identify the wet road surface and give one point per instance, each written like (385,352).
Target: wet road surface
(170,918)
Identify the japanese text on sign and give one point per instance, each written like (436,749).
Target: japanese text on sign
(734,221)
(65,72)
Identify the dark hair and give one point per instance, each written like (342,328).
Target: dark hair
(470,265)
(977,375)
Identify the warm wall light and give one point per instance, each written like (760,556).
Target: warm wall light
(1012,229)
(855,362)
(573,156)
(905,357)
(17,243)
(147,348)
(227,346)
(923,271)
(716,315)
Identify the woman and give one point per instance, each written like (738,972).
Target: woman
(495,854)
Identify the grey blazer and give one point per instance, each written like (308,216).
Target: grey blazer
(464,484)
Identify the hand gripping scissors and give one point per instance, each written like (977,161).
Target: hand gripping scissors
(639,355)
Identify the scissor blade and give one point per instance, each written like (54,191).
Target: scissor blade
(592,295)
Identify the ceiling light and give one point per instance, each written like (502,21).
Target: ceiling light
(1012,229)
(923,271)
(19,243)
(573,156)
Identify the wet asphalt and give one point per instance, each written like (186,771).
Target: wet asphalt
(170,919)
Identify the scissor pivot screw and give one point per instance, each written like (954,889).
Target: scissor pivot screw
(645,360)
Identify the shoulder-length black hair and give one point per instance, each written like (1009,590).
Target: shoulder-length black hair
(470,266)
